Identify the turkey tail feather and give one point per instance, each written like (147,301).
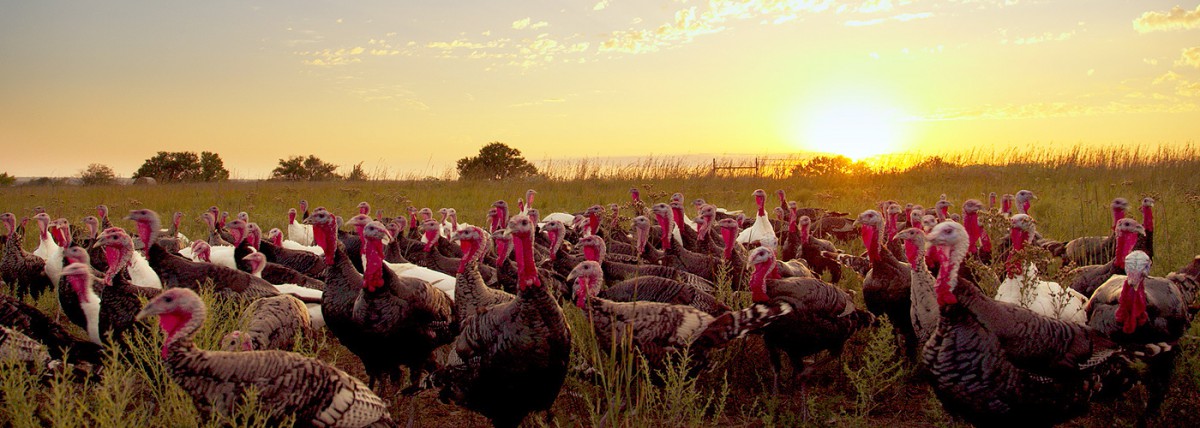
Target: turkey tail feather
(733,325)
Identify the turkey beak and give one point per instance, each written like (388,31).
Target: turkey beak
(571,279)
(146,312)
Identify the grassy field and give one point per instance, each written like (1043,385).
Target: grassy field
(870,385)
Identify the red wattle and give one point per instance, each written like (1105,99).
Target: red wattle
(372,250)
(912,253)
(1148,218)
(1131,309)
(171,322)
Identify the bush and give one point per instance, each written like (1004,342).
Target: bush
(166,167)
(97,174)
(357,173)
(496,161)
(7,180)
(298,168)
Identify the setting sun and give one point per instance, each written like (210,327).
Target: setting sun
(853,129)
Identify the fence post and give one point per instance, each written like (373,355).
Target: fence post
(714,168)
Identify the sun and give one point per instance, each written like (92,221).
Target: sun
(851,128)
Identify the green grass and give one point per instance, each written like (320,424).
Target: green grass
(1074,191)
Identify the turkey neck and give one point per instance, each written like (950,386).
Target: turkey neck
(372,249)
(892,226)
(118,259)
(1148,218)
(1118,214)
(180,325)
(870,237)
(1125,242)
(915,253)
(971,223)
(469,259)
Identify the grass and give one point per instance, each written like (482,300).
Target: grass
(869,386)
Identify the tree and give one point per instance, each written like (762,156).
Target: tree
(298,168)
(96,174)
(166,167)
(357,173)
(7,180)
(821,166)
(496,161)
(212,168)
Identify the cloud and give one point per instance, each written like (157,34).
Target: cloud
(1044,37)
(1183,86)
(1190,56)
(539,102)
(694,21)
(1177,18)
(522,24)
(333,57)
(902,18)
(603,4)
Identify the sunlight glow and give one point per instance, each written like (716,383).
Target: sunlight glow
(856,129)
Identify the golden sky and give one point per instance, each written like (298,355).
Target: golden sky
(412,86)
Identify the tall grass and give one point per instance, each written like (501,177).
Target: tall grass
(611,386)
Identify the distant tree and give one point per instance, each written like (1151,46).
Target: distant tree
(298,168)
(97,174)
(357,173)
(821,166)
(7,180)
(212,168)
(496,161)
(45,181)
(167,167)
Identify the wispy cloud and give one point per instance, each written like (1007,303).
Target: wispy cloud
(695,21)
(332,57)
(1183,86)
(904,17)
(1177,18)
(603,4)
(539,102)
(522,24)
(1190,56)
(1041,38)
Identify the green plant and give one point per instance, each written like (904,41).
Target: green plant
(877,371)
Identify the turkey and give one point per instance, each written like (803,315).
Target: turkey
(47,246)
(177,271)
(1022,287)
(1085,279)
(1095,249)
(471,294)
(761,231)
(886,286)
(296,231)
(275,236)
(19,268)
(60,343)
(659,330)
(312,391)
(1022,201)
(997,364)
(514,355)
(823,318)
(110,309)
(978,236)
(269,323)
(202,251)
(403,318)
(275,273)
(1146,242)
(17,348)
(255,265)
(812,250)
(594,249)
(924,310)
(1139,309)
(439,280)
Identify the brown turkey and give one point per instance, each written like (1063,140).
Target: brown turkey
(1140,309)
(659,330)
(1095,249)
(269,323)
(1086,279)
(998,364)
(515,354)
(886,286)
(314,392)
(823,318)
(19,268)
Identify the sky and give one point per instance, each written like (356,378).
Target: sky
(411,86)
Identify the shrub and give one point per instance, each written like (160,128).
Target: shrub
(496,161)
(96,174)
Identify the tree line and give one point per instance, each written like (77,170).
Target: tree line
(495,161)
